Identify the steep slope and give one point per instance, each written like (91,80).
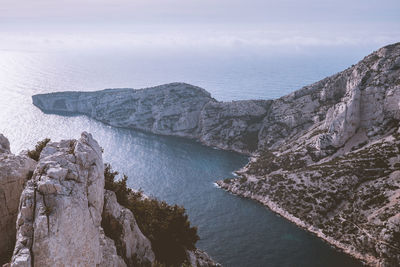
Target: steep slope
(352,201)
(333,164)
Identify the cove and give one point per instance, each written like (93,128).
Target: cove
(233,230)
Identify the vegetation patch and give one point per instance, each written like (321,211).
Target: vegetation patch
(167,227)
(35,154)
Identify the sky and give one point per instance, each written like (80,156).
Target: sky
(202,23)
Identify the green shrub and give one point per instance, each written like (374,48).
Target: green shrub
(167,227)
(227,180)
(35,154)
(119,187)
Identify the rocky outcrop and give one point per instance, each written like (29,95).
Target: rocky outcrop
(330,147)
(15,170)
(120,223)
(59,220)
(64,216)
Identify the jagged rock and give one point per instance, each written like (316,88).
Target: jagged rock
(63,209)
(198,258)
(4,144)
(14,172)
(59,220)
(120,223)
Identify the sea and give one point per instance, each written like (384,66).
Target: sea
(234,231)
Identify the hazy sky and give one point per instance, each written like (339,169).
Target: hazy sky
(204,11)
(206,22)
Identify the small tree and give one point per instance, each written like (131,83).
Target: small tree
(35,154)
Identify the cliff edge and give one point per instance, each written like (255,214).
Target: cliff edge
(57,212)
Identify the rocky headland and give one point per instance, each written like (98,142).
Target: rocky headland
(326,157)
(56,211)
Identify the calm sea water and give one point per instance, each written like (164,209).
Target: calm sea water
(233,230)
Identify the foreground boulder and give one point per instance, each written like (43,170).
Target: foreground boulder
(14,173)
(59,218)
(64,216)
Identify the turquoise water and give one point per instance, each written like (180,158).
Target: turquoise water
(233,230)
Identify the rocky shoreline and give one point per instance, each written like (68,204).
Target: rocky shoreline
(274,206)
(332,147)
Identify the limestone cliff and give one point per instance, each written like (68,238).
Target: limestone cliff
(329,159)
(331,147)
(60,214)
(173,109)
(15,170)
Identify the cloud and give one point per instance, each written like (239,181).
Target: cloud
(199,24)
(270,38)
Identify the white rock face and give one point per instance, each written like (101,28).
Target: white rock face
(65,216)
(14,172)
(59,220)
(134,247)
